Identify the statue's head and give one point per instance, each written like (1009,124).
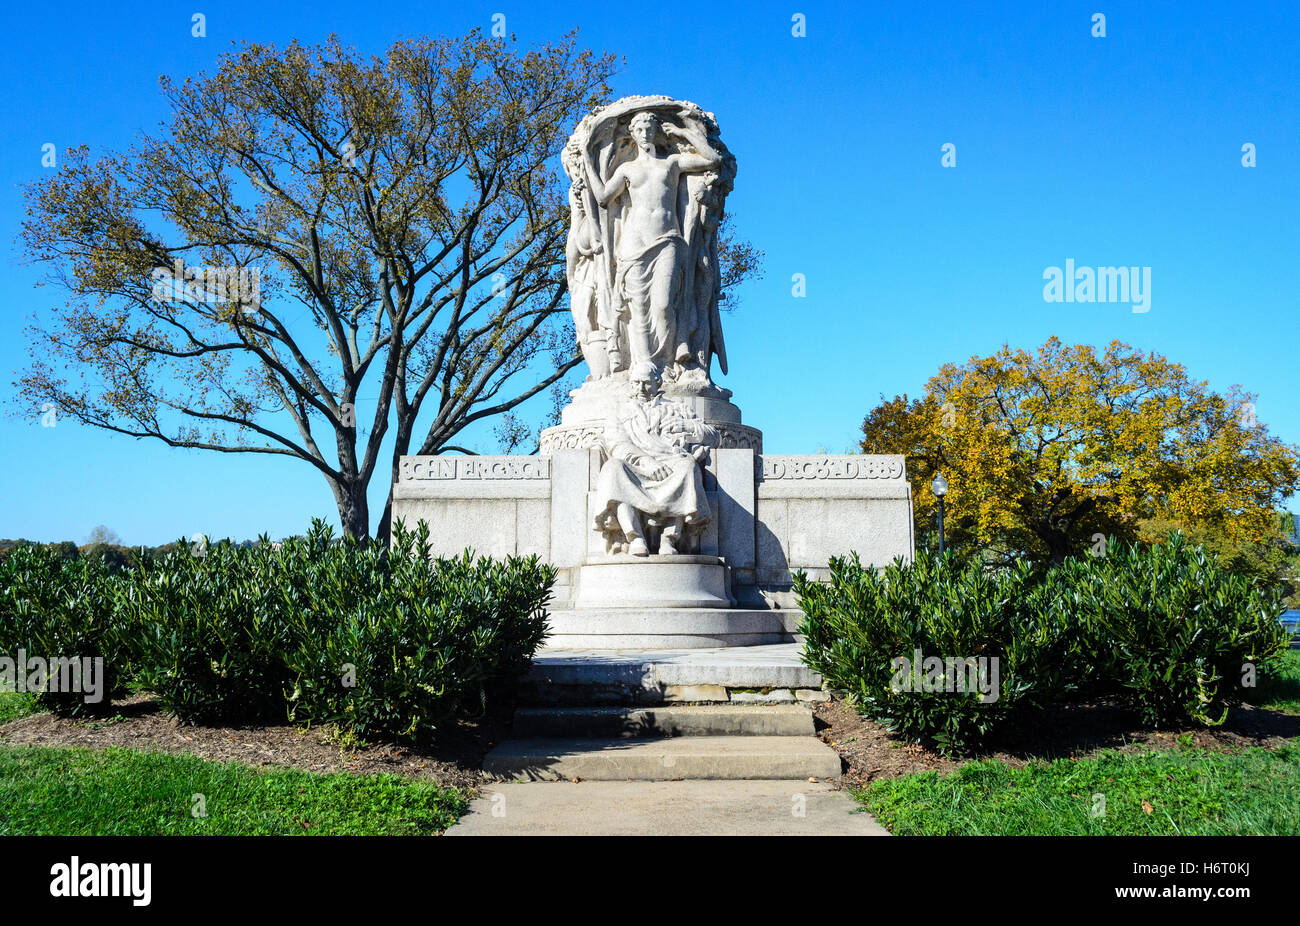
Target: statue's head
(645,129)
(645,379)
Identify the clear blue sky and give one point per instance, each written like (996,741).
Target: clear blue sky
(1117,150)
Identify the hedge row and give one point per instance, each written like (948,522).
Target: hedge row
(381,641)
(1164,629)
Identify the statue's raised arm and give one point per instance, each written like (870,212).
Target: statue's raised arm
(706,159)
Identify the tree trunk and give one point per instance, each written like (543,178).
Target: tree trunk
(1058,547)
(401,447)
(354,508)
(384,529)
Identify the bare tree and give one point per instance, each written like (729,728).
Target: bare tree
(313,221)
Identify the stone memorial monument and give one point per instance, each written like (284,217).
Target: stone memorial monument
(669,525)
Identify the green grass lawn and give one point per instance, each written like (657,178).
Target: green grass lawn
(120,792)
(1189,792)
(14,704)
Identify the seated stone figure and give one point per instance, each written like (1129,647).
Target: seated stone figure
(652,477)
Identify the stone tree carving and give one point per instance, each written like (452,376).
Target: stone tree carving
(650,176)
(651,481)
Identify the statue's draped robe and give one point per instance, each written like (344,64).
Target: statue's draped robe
(654,336)
(637,429)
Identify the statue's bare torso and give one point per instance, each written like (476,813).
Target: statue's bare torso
(651,211)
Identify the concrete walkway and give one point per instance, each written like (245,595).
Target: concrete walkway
(665,808)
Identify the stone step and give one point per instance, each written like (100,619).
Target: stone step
(648,676)
(698,720)
(669,628)
(664,759)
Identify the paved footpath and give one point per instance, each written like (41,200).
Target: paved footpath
(665,808)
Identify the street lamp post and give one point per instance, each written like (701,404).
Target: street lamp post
(940,488)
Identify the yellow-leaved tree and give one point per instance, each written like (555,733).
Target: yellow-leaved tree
(1046,450)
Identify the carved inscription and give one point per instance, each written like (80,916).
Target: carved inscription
(832,467)
(415,469)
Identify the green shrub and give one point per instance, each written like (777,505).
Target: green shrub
(423,641)
(1165,630)
(381,641)
(115,557)
(1170,629)
(861,623)
(57,607)
(209,630)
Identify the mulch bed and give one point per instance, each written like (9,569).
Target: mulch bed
(140,724)
(870,752)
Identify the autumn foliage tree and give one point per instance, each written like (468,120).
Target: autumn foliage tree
(1045,450)
(321,251)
